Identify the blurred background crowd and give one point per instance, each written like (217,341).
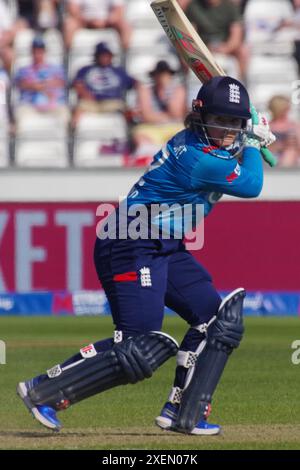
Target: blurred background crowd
(94,83)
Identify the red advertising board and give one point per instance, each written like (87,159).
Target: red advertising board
(49,246)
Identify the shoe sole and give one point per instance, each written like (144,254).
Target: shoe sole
(23,394)
(205,432)
(163,423)
(167,425)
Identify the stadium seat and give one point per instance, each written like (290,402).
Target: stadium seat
(261,94)
(229,64)
(99,140)
(41,153)
(271,69)
(41,126)
(41,141)
(148,38)
(261,19)
(85,40)
(268,9)
(88,154)
(140,14)
(139,65)
(13,8)
(4,149)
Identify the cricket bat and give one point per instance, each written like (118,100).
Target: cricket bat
(193,51)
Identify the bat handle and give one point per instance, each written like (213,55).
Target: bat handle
(266,153)
(268,156)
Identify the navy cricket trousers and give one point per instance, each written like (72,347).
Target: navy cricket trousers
(140,277)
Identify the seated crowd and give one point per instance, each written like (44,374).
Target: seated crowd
(158,105)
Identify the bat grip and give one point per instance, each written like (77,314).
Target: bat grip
(268,156)
(265,152)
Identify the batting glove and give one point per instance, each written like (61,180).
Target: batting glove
(259,133)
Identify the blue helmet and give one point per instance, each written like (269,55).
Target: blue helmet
(223,96)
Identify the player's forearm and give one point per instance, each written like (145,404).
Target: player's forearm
(252,167)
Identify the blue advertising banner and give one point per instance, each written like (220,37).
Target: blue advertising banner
(39,303)
(95,303)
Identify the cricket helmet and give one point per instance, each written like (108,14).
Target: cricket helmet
(223,96)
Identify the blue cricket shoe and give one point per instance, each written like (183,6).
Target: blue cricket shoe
(166,420)
(46,415)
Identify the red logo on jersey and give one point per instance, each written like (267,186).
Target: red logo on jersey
(230,178)
(235,174)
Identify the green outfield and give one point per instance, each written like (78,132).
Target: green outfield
(257,402)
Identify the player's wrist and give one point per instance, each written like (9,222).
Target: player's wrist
(252,141)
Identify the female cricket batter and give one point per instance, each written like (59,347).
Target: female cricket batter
(215,154)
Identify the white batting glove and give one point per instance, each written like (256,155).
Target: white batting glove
(259,135)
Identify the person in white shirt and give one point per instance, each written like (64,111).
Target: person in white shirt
(6,35)
(96,15)
(8,30)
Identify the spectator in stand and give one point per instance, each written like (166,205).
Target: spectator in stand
(101,87)
(296,25)
(96,14)
(41,86)
(287,132)
(4,121)
(219,22)
(8,30)
(4,86)
(162,107)
(293,22)
(241,4)
(6,35)
(39,14)
(184,3)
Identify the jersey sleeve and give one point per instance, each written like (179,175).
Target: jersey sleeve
(244,179)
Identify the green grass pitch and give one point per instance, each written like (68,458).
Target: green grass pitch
(257,402)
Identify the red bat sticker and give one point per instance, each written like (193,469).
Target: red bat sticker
(184,40)
(199,68)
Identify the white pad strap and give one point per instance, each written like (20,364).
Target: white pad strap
(186,359)
(203,327)
(190,372)
(118,336)
(175,395)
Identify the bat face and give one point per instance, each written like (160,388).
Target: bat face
(193,56)
(187,42)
